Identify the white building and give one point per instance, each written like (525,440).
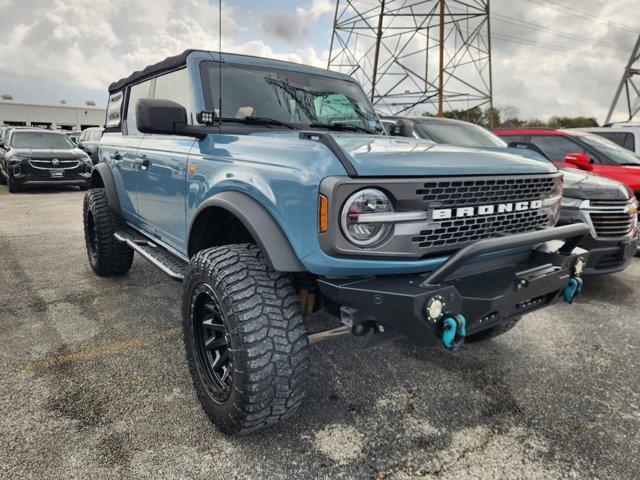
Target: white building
(52,116)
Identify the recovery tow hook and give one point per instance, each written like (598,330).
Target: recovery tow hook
(454,331)
(572,289)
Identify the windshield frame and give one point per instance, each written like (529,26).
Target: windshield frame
(211,104)
(16,133)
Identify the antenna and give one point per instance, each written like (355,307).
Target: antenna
(220,61)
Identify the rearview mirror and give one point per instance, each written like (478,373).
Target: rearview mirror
(579,160)
(402,128)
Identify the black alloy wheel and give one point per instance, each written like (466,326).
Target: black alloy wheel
(210,334)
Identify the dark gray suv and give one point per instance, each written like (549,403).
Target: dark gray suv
(36,157)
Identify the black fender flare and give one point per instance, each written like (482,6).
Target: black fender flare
(101,176)
(260,224)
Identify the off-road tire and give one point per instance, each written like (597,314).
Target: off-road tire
(265,334)
(107,256)
(493,331)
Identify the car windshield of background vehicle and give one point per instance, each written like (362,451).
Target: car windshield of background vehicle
(611,150)
(44,140)
(461,135)
(294,98)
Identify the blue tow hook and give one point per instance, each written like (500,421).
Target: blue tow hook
(454,331)
(572,289)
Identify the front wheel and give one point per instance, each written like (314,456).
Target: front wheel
(107,255)
(245,339)
(13,186)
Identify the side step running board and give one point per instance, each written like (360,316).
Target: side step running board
(166,261)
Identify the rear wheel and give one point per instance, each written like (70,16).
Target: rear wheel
(107,256)
(245,340)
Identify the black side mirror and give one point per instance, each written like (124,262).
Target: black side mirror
(154,115)
(402,128)
(159,116)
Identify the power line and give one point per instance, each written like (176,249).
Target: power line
(560,33)
(534,43)
(578,13)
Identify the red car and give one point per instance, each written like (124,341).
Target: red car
(581,150)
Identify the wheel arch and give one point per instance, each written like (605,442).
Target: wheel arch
(257,222)
(102,177)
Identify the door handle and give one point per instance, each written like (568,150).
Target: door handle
(142,161)
(116,156)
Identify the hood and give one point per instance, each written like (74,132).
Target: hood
(47,153)
(578,184)
(382,155)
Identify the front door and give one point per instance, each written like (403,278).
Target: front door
(161,187)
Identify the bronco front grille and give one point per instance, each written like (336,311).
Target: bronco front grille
(454,232)
(457,193)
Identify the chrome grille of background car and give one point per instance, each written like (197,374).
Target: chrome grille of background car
(47,164)
(614,223)
(486,191)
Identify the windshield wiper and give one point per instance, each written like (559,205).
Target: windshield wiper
(630,164)
(259,121)
(343,127)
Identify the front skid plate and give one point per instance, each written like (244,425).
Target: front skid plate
(484,298)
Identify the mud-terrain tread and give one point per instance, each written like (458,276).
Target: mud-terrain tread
(114,257)
(267,337)
(493,331)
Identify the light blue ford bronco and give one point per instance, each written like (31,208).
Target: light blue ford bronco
(272,192)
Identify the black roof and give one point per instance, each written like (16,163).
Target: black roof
(169,63)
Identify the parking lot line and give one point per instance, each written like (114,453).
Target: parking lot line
(107,349)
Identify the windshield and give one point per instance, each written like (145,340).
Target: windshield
(36,140)
(611,150)
(290,97)
(461,134)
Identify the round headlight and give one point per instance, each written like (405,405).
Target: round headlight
(357,230)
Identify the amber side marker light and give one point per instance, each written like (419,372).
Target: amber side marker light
(323,214)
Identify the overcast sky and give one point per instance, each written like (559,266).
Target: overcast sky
(72,49)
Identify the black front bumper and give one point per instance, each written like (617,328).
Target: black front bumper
(608,256)
(26,175)
(487,292)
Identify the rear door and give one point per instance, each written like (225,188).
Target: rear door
(162,180)
(121,151)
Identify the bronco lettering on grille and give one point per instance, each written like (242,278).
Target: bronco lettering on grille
(445,213)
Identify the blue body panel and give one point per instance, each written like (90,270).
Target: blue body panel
(281,172)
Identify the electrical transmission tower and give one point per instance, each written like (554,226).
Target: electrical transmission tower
(415,56)
(630,83)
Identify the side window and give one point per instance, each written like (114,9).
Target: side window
(556,147)
(114,109)
(175,86)
(136,92)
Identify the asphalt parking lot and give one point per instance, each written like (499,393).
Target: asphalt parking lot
(94,382)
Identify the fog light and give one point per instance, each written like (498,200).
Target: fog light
(578,267)
(435,308)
